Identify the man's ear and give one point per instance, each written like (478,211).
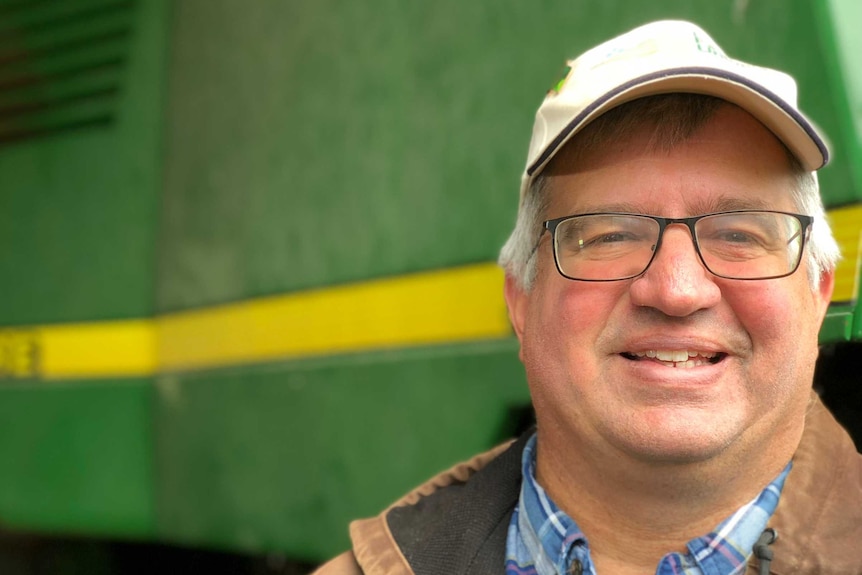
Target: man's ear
(824,291)
(516,302)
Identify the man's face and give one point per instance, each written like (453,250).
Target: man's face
(586,346)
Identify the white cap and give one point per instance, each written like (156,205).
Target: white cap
(667,57)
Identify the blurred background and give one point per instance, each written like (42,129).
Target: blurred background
(247,289)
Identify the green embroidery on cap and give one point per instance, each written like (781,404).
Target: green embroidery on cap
(709,48)
(559,85)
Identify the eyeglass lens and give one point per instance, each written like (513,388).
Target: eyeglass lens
(741,245)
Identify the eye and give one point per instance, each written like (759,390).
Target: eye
(605,236)
(738,231)
(736,237)
(610,238)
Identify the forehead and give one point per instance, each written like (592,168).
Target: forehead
(729,162)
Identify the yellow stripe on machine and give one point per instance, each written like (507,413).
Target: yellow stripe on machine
(846,225)
(112,348)
(452,305)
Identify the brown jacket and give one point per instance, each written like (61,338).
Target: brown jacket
(457,522)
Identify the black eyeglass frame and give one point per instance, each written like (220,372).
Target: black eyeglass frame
(805,222)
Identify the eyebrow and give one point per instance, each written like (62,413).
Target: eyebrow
(725,204)
(721,204)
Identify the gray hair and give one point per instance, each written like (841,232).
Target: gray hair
(674,118)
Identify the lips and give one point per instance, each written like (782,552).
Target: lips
(679,358)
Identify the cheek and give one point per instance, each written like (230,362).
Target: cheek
(780,323)
(565,323)
(763,312)
(777,309)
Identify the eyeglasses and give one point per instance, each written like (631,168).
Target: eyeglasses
(742,245)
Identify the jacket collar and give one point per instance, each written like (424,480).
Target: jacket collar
(449,524)
(819,516)
(453,525)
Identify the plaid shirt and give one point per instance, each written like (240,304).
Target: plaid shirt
(543,540)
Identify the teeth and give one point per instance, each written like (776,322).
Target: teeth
(678,357)
(690,363)
(672,356)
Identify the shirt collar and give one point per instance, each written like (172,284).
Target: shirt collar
(554,540)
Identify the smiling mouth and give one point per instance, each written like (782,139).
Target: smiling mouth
(676,358)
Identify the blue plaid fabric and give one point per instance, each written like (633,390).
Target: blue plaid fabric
(543,540)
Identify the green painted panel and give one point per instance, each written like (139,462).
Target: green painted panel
(838,324)
(319,142)
(78,207)
(281,458)
(77,457)
(839,25)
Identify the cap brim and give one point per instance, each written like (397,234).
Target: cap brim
(791,127)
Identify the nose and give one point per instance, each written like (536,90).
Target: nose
(676,282)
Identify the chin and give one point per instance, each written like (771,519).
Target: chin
(676,454)
(689,441)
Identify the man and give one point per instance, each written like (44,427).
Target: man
(667,278)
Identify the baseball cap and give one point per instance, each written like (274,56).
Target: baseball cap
(668,56)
